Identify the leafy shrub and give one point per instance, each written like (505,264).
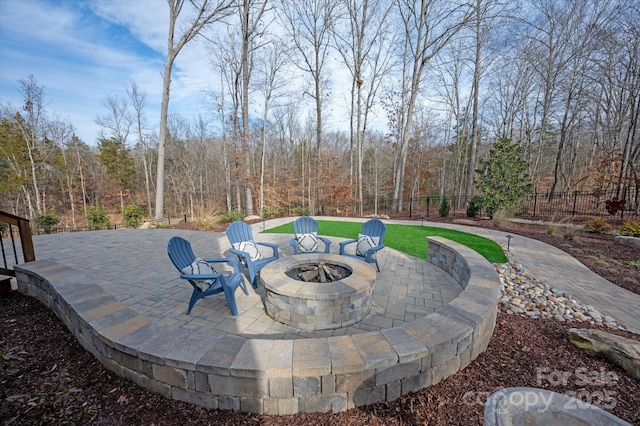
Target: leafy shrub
(444,208)
(46,221)
(232,216)
(597,225)
(97,217)
(502,177)
(9,358)
(475,206)
(3,228)
(302,211)
(132,216)
(630,228)
(269,212)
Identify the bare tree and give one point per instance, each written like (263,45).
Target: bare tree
(429,25)
(62,134)
(32,128)
(548,48)
(138,101)
(484,17)
(449,71)
(229,63)
(116,123)
(273,84)
(206,13)
(30,125)
(251,13)
(364,47)
(309,24)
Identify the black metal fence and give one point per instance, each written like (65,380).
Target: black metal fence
(567,206)
(574,206)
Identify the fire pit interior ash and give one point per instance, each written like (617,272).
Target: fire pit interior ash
(318,272)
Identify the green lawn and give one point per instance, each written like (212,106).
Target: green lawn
(406,238)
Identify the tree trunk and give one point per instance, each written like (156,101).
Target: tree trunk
(164,109)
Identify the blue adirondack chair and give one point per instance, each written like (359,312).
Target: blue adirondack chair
(243,246)
(369,242)
(204,279)
(306,239)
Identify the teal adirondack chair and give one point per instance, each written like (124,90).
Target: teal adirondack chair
(244,246)
(202,276)
(306,239)
(368,243)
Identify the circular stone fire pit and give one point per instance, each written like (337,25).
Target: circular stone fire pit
(318,306)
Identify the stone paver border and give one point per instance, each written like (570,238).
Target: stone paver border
(220,370)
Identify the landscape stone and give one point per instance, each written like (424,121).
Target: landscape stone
(617,349)
(538,407)
(627,241)
(522,294)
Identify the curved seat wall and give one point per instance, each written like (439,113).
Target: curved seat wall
(226,371)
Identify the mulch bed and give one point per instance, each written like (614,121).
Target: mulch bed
(65,384)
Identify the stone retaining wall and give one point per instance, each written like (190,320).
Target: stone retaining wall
(219,370)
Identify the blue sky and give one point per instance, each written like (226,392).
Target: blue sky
(83,51)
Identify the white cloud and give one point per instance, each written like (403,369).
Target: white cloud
(83,51)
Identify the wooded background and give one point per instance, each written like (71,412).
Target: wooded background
(559,78)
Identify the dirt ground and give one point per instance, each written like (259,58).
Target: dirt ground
(46,377)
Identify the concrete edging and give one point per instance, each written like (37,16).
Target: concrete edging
(226,371)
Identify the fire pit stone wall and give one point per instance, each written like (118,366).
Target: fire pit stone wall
(318,306)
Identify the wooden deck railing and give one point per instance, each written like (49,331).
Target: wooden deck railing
(24,234)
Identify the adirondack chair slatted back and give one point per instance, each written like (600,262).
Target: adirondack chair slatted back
(239,232)
(305,225)
(180,252)
(374,228)
(306,237)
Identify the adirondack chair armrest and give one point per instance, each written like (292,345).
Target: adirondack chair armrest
(273,246)
(240,253)
(343,244)
(200,277)
(327,243)
(373,250)
(233,262)
(378,247)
